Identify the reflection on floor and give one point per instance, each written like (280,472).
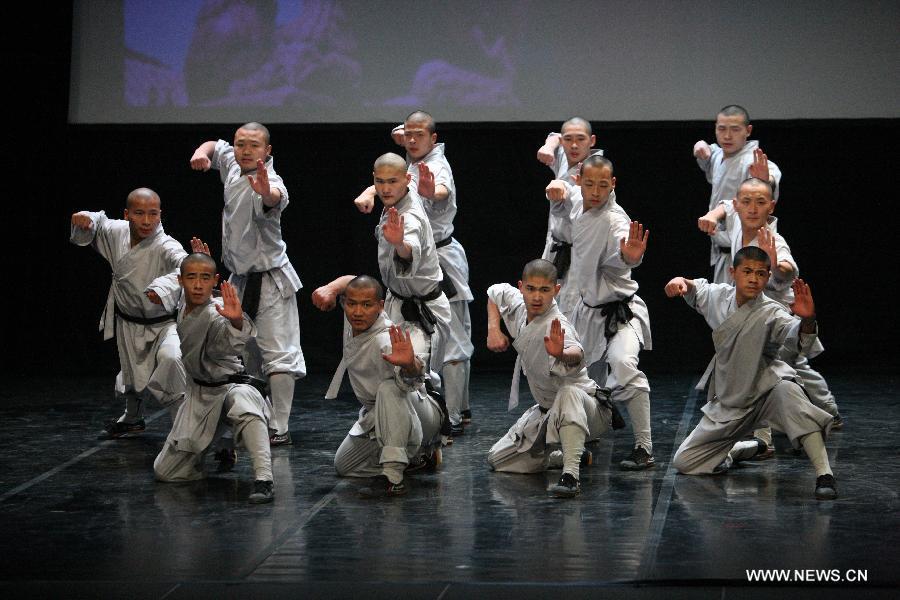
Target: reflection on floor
(84,518)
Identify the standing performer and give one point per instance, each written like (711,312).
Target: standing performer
(570,408)
(255,253)
(611,319)
(563,152)
(140,307)
(726,164)
(398,421)
(751,386)
(213,334)
(432,178)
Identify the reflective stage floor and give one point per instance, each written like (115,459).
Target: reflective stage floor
(84,518)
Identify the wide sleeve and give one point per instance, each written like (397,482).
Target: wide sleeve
(223,159)
(510,303)
(413,233)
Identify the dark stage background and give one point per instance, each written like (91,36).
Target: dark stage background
(836,211)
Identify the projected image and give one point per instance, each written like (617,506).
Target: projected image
(319,53)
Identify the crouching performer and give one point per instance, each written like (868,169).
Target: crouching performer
(213,334)
(399,424)
(570,408)
(751,387)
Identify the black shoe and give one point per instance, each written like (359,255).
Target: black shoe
(382,486)
(639,460)
(428,462)
(837,423)
(466,416)
(226,459)
(723,466)
(119,429)
(566,487)
(457,430)
(826,487)
(280,439)
(764,451)
(263,492)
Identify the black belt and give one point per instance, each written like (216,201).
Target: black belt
(615,312)
(252,291)
(725,249)
(562,257)
(446,283)
(444,242)
(144,320)
(259,384)
(415,310)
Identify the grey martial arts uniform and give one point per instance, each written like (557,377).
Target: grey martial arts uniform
(565,394)
(251,244)
(458,347)
(397,420)
(725,175)
(751,386)
(415,279)
(149,353)
(780,290)
(211,350)
(559,228)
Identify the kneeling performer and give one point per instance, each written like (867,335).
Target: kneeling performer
(398,422)
(571,408)
(213,334)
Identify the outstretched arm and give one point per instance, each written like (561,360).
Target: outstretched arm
(325,297)
(633,248)
(260,184)
(679,286)
(781,270)
(402,354)
(547,153)
(231,309)
(202,158)
(427,188)
(365,202)
(496,340)
(557,191)
(803,306)
(393,234)
(555,345)
(709,222)
(702,150)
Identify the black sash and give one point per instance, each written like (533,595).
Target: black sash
(252,290)
(444,242)
(562,257)
(615,312)
(446,283)
(415,310)
(259,384)
(144,320)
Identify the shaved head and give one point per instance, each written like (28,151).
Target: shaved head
(541,268)
(392,160)
(751,253)
(733,110)
(198,257)
(365,282)
(577,122)
(254,126)
(596,160)
(142,193)
(756,182)
(420,116)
